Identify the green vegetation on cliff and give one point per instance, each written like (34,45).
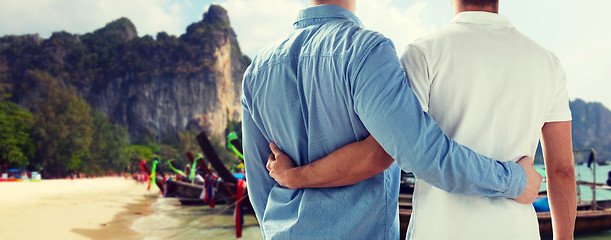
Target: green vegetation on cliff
(64,135)
(62,126)
(16,146)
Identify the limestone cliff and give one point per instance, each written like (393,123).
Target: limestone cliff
(163,84)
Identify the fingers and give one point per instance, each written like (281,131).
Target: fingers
(533,179)
(272,156)
(275,149)
(270,159)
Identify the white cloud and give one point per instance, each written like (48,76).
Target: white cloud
(259,22)
(402,25)
(75,16)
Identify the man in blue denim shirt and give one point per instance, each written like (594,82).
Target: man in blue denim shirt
(329,83)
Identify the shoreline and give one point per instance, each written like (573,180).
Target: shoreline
(96,208)
(120,227)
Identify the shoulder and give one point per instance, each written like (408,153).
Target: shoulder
(535,49)
(365,37)
(271,54)
(348,40)
(361,44)
(426,45)
(337,39)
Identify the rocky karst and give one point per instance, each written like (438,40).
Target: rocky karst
(163,84)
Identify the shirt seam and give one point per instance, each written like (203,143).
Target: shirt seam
(428,75)
(360,60)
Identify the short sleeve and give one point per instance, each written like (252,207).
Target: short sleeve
(559,108)
(416,70)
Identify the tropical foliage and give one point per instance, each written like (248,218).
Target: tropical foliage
(16,145)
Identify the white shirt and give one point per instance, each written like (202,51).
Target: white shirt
(490,88)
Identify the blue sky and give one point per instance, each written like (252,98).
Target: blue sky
(575,30)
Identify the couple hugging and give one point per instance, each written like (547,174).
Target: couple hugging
(331,115)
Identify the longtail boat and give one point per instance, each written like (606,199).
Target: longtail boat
(233,186)
(230,183)
(220,190)
(227,189)
(189,193)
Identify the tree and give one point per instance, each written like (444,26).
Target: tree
(116,149)
(16,145)
(62,126)
(137,153)
(149,140)
(108,149)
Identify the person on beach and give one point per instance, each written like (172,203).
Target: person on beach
(331,82)
(497,92)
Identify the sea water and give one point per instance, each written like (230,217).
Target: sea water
(170,220)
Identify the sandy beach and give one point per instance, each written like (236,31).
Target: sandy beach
(97,208)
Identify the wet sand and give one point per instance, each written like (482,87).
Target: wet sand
(99,208)
(170,220)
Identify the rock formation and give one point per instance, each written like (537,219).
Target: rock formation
(163,84)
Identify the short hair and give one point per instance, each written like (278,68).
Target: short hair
(493,3)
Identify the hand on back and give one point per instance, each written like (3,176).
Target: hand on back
(280,166)
(533,181)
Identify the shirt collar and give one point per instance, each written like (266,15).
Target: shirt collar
(324,13)
(483,18)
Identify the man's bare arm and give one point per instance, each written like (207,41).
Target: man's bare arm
(560,169)
(348,165)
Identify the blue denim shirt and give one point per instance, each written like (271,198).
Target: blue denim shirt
(329,83)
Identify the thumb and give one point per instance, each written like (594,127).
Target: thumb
(274,149)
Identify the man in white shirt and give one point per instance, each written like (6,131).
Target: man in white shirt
(488,86)
(466,77)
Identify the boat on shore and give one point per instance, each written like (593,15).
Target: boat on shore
(221,189)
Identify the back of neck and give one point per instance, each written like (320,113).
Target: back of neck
(350,5)
(468,8)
